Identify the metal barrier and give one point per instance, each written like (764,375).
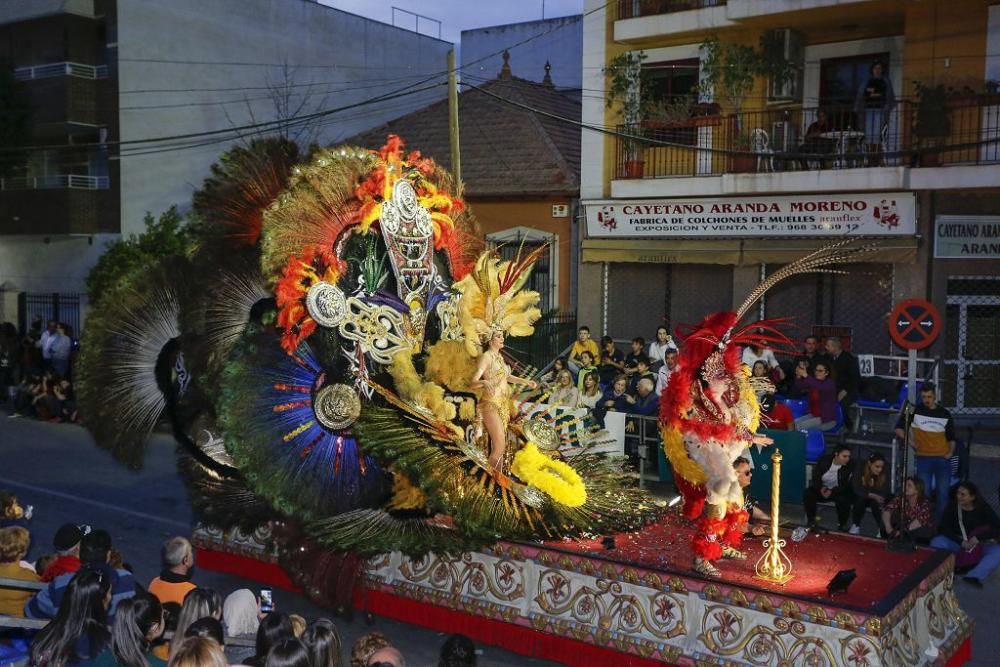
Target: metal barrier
(629,9)
(56,182)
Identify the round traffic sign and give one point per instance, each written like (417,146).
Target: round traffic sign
(914,324)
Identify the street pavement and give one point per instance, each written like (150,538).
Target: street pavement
(58,469)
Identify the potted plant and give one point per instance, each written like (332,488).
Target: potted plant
(931,123)
(742,161)
(625,89)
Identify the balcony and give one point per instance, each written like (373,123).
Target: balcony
(630,9)
(58,211)
(53,70)
(772,145)
(56,182)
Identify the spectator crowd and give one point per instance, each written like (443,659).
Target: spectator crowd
(36,371)
(99,615)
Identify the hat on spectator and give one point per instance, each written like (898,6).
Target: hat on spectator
(67,537)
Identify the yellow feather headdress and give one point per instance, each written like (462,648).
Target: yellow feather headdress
(492,300)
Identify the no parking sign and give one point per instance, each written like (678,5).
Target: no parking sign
(914,324)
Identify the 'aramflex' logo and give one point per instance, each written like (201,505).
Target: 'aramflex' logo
(886,214)
(606,216)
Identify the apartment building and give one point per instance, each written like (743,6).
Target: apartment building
(710,187)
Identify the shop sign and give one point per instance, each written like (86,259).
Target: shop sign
(818,215)
(967,236)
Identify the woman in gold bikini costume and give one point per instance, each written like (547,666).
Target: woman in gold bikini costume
(494,378)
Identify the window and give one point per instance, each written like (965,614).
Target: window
(840,79)
(673,87)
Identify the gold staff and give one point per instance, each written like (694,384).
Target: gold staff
(774,566)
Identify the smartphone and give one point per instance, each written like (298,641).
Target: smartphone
(266,600)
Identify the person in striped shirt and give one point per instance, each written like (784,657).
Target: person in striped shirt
(932,437)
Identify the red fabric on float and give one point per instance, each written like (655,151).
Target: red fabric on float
(262,572)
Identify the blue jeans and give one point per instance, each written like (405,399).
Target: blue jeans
(990,561)
(935,473)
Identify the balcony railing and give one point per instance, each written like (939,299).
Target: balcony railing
(51,70)
(55,182)
(630,9)
(776,140)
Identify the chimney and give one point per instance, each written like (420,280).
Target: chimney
(505,74)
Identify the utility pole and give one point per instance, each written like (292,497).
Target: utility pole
(456,154)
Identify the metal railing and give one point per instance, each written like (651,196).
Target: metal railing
(629,9)
(51,70)
(776,140)
(554,332)
(56,182)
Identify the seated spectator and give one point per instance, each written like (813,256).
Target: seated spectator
(174,581)
(760,352)
(590,392)
(564,393)
(273,628)
(79,630)
(198,603)
(95,554)
(298,625)
(615,399)
(632,358)
(63,392)
(822,399)
(775,415)
(788,386)
(583,343)
(645,402)
(14,541)
(549,379)
(198,652)
(658,348)
(970,528)
(138,623)
(668,367)
(388,656)
(67,546)
(208,627)
(816,147)
(612,361)
(760,380)
(831,481)
(43,562)
(288,652)
(641,371)
(365,646)
(587,367)
(916,513)
(457,651)
(757,516)
(241,612)
(871,491)
(323,643)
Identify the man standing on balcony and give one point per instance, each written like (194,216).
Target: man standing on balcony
(874,102)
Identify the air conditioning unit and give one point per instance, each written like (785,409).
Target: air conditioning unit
(790,45)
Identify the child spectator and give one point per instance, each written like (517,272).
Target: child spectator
(615,399)
(14,541)
(174,581)
(587,367)
(631,359)
(67,546)
(583,343)
(612,361)
(549,379)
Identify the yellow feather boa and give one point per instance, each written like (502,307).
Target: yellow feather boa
(554,478)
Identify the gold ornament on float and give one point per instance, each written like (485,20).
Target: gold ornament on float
(774,566)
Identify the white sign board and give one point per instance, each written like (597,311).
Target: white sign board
(967,236)
(866,363)
(818,215)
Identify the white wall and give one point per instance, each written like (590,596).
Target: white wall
(347,59)
(560,43)
(29,264)
(594,60)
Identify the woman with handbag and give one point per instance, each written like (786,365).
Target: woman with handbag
(970,528)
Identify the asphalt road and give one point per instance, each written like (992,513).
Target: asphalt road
(58,469)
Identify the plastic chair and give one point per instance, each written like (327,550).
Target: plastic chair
(815,445)
(901,400)
(798,406)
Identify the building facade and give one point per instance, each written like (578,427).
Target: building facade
(711,188)
(198,75)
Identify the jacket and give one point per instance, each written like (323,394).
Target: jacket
(845,475)
(46,602)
